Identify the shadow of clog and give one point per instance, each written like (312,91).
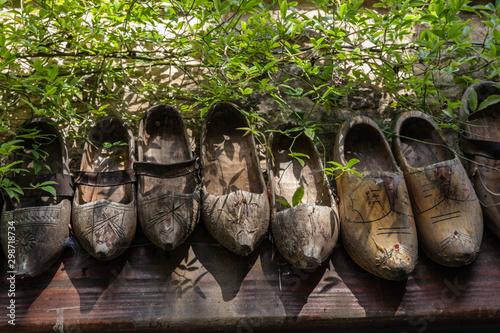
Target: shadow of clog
(90,276)
(291,284)
(228,269)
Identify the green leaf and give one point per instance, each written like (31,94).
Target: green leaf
(439,33)
(490,100)
(472,100)
(30,105)
(336,164)
(297,196)
(17,190)
(297,157)
(496,35)
(37,166)
(351,163)
(47,183)
(342,10)
(49,189)
(108,145)
(53,71)
(283,202)
(102,108)
(310,133)
(493,49)
(356,172)
(455,30)
(269,65)
(283,8)
(247,91)
(11,193)
(301,161)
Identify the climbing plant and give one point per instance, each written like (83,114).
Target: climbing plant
(75,60)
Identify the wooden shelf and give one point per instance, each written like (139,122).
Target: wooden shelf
(201,286)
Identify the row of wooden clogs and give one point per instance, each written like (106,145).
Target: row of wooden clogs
(416,193)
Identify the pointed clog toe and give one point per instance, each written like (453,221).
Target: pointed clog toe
(396,263)
(306,235)
(105,229)
(238,220)
(460,250)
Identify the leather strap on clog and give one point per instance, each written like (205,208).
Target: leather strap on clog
(63,188)
(173,170)
(105,179)
(488,149)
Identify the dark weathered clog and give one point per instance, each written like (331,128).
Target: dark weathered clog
(169,190)
(304,232)
(377,224)
(34,229)
(235,203)
(481,144)
(447,212)
(104,208)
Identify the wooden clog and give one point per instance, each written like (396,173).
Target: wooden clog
(305,233)
(34,230)
(481,144)
(169,190)
(104,208)
(377,224)
(235,203)
(447,211)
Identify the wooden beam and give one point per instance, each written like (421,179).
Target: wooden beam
(202,286)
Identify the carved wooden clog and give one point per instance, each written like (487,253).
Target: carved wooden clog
(377,224)
(481,144)
(169,190)
(305,233)
(104,209)
(447,212)
(235,202)
(34,229)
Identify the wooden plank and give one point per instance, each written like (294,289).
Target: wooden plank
(202,286)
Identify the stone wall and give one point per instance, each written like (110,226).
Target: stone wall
(368,100)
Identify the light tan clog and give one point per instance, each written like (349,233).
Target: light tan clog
(447,212)
(377,224)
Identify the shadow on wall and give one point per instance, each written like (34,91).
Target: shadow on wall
(292,285)
(89,276)
(376,295)
(228,269)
